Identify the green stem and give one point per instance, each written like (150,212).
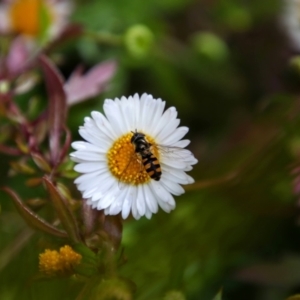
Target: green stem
(104,38)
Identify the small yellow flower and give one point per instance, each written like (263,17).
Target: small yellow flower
(52,262)
(34,18)
(69,257)
(28,23)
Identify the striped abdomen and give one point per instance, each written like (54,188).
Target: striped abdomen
(151,165)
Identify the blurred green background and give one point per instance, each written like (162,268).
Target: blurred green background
(229,67)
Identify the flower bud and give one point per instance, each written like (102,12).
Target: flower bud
(62,262)
(174,295)
(295,64)
(237,18)
(4,87)
(114,288)
(210,46)
(138,40)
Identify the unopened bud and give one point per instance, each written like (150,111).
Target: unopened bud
(174,295)
(211,46)
(295,63)
(138,40)
(114,288)
(4,87)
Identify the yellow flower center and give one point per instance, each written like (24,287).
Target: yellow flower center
(30,16)
(125,164)
(52,262)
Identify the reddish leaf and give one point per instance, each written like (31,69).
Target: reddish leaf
(66,145)
(83,86)
(57,109)
(33,219)
(282,273)
(9,150)
(90,217)
(113,227)
(63,212)
(71,31)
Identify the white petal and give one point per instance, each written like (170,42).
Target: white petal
(86,146)
(148,214)
(177,135)
(134,209)
(169,161)
(164,198)
(181,144)
(116,206)
(176,175)
(151,202)
(95,139)
(106,200)
(113,115)
(126,203)
(103,125)
(169,115)
(87,177)
(172,187)
(104,187)
(141,207)
(88,156)
(96,184)
(89,166)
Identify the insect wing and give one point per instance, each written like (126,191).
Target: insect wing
(172,151)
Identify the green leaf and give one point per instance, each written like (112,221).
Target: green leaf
(87,254)
(41,162)
(295,297)
(33,219)
(44,23)
(218,296)
(89,263)
(63,211)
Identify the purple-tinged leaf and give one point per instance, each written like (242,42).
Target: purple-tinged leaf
(57,109)
(18,56)
(9,150)
(113,227)
(33,219)
(282,273)
(63,211)
(90,217)
(66,145)
(71,31)
(80,86)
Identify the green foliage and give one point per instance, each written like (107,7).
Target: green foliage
(226,67)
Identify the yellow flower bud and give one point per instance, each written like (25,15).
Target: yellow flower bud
(52,262)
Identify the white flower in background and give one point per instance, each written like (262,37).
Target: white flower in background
(116,170)
(34,19)
(290,20)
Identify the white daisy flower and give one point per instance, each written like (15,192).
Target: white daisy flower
(133,159)
(290,20)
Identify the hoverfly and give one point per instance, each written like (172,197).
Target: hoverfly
(146,155)
(149,161)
